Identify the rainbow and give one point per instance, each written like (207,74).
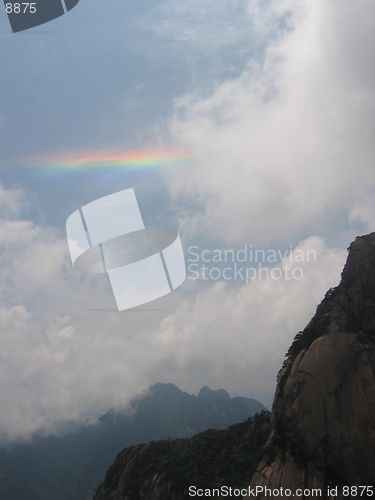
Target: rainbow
(114,160)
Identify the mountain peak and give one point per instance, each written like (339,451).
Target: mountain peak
(164,388)
(213,395)
(360,262)
(348,307)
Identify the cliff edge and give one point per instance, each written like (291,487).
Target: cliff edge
(322,424)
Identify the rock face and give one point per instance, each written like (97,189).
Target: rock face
(165,469)
(323,417)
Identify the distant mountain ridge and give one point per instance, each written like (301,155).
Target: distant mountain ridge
(211,395)
(70,468)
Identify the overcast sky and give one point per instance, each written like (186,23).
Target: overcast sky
(273,100)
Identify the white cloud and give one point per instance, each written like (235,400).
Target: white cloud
(237,336)
(11,201)
(363,211)
(32,259)
(61,360)
(286,148)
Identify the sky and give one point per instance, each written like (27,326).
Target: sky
(268,109)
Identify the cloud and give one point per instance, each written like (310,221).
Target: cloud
(32,259)
(287,148)
(29,373)
(62,360)
(199,27)
(283,151)
(11,201)
(236,336)
(363,211)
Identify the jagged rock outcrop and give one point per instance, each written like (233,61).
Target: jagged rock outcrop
(323,417)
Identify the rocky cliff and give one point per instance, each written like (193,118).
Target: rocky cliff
(323,425)
(165,469)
